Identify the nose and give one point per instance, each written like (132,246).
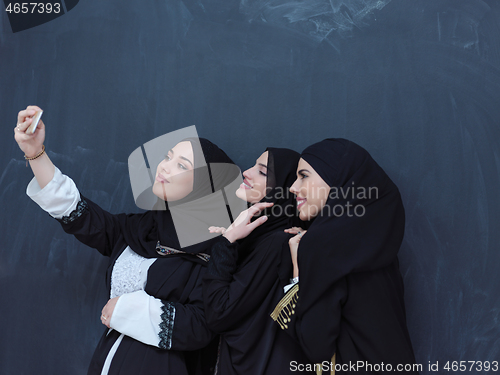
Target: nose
(293,188)
(247,174)
(166,166)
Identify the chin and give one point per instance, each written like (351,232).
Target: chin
(240,193)
(303,216)
(155,192)
(158,191)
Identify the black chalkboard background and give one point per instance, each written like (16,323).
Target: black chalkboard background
(417,83)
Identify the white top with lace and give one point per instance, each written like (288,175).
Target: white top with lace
(127,273)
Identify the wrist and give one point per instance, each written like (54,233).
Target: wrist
(229,236)
(295,271)
(33,154)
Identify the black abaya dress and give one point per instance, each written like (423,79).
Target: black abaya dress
(349,303)
(243,285)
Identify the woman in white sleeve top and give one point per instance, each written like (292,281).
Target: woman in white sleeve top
(155,316)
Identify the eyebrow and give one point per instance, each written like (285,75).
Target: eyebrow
(182,157)
(302,171)
(269,170)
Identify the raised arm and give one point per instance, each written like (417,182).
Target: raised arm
(32,145)
(58,195)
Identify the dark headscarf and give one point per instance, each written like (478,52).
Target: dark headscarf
(281,172)
(336,246)
(213,170)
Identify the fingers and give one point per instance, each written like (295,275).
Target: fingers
(34,107)
(296,239)
(41,125)
(104,319)
(24,117)
(22,125)
(256,223)
(217,230)
(20,133)
(294,230)
(258,207)
(106,315)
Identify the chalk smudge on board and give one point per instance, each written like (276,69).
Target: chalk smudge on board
(316,18)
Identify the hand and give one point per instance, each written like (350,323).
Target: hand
(243,226)
(294,246)
(217,230)
(30,144)
(107,311)
(295,230)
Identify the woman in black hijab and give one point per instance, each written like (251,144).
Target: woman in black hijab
(348,305)
(155,313)
(243,285)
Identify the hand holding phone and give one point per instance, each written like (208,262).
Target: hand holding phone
(36,118)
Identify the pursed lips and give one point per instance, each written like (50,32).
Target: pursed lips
(162,179)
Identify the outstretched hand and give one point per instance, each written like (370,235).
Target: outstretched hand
(243,225)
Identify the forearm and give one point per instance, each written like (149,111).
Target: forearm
(159,323)
(43,169)
(295,269)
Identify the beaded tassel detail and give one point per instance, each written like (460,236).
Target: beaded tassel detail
(286,307)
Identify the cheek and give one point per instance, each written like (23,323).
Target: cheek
(323,196)
(262,186)
(187,182)
(316,197)
(259,188)
(158,168)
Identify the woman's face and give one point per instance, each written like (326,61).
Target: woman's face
(253,188)
(175,174)
(311,191)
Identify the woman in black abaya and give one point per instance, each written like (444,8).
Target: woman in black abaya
(155,316)
(242,284)
(348,304)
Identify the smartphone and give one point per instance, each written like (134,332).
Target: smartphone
(36,118)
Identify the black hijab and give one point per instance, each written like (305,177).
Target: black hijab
(281,170)
(337,245)
(213,170)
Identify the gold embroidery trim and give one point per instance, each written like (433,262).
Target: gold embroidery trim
(286,307)
(319,371)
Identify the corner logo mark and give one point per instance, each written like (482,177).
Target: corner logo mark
(25,15)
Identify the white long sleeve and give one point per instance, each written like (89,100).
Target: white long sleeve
(59,197)
(138,315)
